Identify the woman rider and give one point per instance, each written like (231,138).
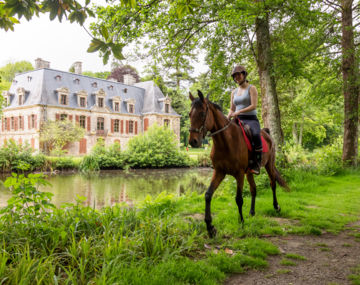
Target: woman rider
(243,106)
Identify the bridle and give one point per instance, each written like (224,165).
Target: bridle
(202,130)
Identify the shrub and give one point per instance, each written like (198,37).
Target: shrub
(63,163)
(156,148)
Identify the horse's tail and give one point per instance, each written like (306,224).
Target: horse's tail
(281,180)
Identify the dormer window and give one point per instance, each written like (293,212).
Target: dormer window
(14,81)
(100,102)
(111,87)
(166,101)
(21,99)
(167,108)
(82,102)
(58,78)
(130,102)
(29,78)
(125,90)
(63,99)
(21,95)
(100,98)
(6,95)
(82,98)
(117,107)
(63,96)
(94,85)
(77,81)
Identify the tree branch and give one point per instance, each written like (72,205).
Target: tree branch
(334,5)
(251,43)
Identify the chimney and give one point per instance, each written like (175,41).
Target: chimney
(129,79)
(40,63)
(77,67)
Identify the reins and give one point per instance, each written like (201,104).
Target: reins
(203,127)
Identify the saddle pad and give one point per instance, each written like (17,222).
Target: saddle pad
(265,147)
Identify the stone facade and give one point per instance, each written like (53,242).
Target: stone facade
(110,110)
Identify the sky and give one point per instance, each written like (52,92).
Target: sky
(61,44)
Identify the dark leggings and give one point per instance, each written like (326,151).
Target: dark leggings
(254,124)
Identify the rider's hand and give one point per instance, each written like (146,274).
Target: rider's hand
(231,114)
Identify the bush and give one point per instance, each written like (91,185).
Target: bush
(156,148)
(14,156)
(63,163)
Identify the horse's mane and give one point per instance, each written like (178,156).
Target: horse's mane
(198,103)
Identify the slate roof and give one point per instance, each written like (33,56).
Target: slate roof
(40,88)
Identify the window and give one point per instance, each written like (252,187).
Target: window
(21,101)
(166,122)
(100,124)
(63,117)
(82,121)
(101,102)
(94,84)
(116,126)
(131,108)
(117,106)
(131,127)
(12,124)
(63,99)
(21,123)
(33,122)
(6,123)
(58,78)
(110,87)
(29,78)
(82,102)
(167,108)
(77,81)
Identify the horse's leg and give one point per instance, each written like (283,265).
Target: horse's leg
(239,199)
(215,182)
(272,175)
(250,179)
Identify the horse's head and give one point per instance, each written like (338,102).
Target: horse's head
(200,119)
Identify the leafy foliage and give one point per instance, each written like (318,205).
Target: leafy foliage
(155,148)
(56,134)
(8,71)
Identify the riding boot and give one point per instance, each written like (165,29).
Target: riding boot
(255,167)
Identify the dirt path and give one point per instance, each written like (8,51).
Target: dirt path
(329,259)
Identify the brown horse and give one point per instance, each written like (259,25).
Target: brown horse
(229,154)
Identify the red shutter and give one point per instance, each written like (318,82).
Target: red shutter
(20,141)
(35,122)
(33,143)
(146,124)
(8,124)
(70,118)
(88,124)
(127,126)
(29,122)
(3,124)
(82,146)
(112,125)
(77,119)
(57,117)
(135,128)
(122,126)
(16,123)
(21,122)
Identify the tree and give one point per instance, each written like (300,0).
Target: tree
(7,72)
(99,74)
(57,134)
(118,73)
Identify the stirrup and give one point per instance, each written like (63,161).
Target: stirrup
(255,171)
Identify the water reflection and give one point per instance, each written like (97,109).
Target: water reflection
(111,187)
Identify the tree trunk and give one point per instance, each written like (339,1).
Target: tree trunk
(295,134)
(350,86)
(301,129)
(270,106)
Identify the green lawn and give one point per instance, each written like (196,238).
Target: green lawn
(164,240)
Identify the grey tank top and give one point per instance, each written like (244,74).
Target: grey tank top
(243,101)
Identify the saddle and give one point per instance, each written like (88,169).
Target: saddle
(248,136)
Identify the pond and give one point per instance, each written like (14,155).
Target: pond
(110,187)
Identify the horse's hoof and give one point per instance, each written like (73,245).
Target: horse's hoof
(277,209)
(212,232)
(252,213)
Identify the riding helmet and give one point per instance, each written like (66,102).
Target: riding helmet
(238,69)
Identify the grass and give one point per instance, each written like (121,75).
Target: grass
(355,277)
(158,242)
(287,262)
(295,256)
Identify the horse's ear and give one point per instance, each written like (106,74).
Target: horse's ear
(191,97)
(201,96)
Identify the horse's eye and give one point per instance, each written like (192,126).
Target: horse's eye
(202,114)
